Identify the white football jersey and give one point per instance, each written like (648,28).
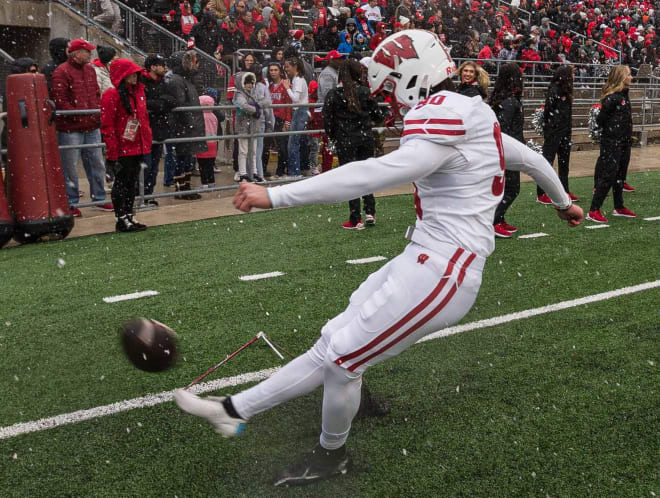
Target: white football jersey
(454,153)
(457,202)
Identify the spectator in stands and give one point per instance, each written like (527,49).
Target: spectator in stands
(232,38)
(207,35)
(187,124)
(474,80)
(373,13)
(485,56)
(345,43)
(246,25)
(327,81)
(206,159)
(296,88)
(219,8)
(74,87)
(360,44)
(101,66)
(315,123)
(530,54)
(507,53)
(328,39)
(615,122)
(507,105)
(260,41)
(348,116)
(159,105)
(279,95)
(557,127)
(265,123)
(270,21)
(186,18)
(286,23)
(127,136)
(404,9)
(379,35)
(362,24)
(110,16)
(57,48)
(308,44)
(247,115)
(472,47)
(318,17)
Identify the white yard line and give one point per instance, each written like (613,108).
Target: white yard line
(126,297)
(365,260)
(654,218)
(591,227)
(155,399)
(261,275)
(533,235)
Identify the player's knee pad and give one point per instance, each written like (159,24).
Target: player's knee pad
(338,373)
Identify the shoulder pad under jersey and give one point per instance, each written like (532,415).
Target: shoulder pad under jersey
(442,118)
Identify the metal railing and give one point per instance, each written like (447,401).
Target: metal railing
(144,36)
(126,48)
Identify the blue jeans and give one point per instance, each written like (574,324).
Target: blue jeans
(298,122)
(170,165)
(151,173)
(92,160)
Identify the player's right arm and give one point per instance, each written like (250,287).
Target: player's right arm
(411,161)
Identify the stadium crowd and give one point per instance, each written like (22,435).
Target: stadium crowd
(276,66)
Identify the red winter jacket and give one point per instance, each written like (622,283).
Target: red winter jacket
(74,87)
(114,116)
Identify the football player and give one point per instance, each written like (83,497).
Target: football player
(453,151)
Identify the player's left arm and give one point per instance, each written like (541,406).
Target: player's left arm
(519,157)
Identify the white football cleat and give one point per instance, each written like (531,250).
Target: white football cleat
(212,410)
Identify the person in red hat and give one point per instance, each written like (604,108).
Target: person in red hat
(127,135)
(363,26)
(74,87)
(379,35)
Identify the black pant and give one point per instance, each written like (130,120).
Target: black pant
(511,191)
(557,146)
(611,170)
(282,149)
(123,188)
(206,166)
(358,152)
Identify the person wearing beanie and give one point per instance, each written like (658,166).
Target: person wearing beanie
(102,66)
(57,49)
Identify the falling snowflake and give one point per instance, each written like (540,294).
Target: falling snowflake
(60,263)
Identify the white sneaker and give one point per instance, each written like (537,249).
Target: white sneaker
(212,410)
(315,171)
(237,177)
(370,219)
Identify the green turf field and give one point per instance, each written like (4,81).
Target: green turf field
(561,404)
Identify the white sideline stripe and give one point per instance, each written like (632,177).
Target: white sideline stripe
(499,320)
(261,275)
(533,235)
(655,218)
(126,297)
(365,260)
(591,227)
(130,404)
(155,399)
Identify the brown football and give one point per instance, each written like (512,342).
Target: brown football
(148,344)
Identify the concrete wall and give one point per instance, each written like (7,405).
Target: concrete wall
(24,13)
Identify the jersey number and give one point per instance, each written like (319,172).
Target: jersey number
(498,181)
(433,100)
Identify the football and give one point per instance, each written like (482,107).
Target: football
(148,344)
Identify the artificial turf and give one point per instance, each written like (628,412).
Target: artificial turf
(563,404)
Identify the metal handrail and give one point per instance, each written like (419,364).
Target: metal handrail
(102,28)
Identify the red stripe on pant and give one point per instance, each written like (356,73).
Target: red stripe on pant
(412,314)
(424,320)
